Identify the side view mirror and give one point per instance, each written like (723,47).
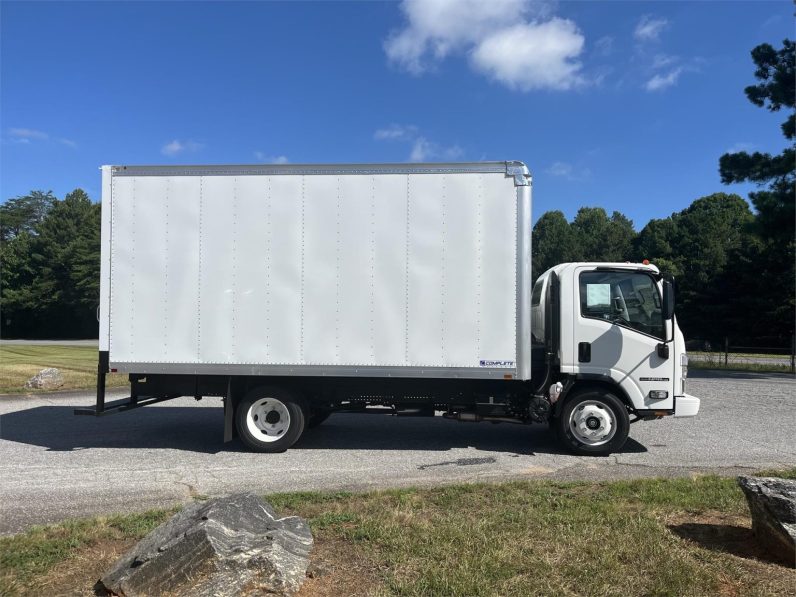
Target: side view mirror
(668,300)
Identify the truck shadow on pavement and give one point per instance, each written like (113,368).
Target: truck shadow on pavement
(200,429)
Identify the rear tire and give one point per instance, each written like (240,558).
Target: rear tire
(593,422)
(269,419)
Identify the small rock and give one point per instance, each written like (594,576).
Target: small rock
(46,379)
(772,503)
(223,546)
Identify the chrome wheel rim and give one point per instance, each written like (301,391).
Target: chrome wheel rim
(592,423)
(268,419)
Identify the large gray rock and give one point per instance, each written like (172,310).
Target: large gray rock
(772,502)
(46,379)
(224,546)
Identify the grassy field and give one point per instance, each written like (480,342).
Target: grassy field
(717,365)
(763,363)
(644,537)
(77,363)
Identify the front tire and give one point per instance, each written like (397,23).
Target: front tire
(593,422)
(269,419)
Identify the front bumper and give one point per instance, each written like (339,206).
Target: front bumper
(686,406)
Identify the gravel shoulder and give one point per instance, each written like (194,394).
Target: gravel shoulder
(54,465)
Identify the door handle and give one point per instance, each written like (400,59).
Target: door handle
(584,352)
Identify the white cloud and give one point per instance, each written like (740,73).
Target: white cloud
(663,60)
(515,42)
(28,135)
(649,28)
(741,146)
(270,159)
(568,171)
(396,131)
(532,55)
(176,146)
(663,81)
(604,46)
(424,150)
(560,169)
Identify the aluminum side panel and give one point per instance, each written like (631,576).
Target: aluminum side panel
(283,255)
(390,266)
(321,271)
(342,270)
(250,215)
(179,322)
(105,259)
(218,279)
(498,313)
(426,274)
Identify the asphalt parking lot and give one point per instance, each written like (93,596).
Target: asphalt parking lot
(54,465)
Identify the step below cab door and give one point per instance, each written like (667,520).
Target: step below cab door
(618,327)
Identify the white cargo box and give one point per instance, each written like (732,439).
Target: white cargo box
(369,270)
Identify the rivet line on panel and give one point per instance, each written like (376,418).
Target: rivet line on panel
(268,247)
(234,261)
(517,262)
(337,278)
(113,253)
(372,267)
(199,270)
(478,266)
(166,274)
(301,333)
(406,275)
(132,278)
(443,281)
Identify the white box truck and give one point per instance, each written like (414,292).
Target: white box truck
(298,291)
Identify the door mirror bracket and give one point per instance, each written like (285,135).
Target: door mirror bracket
(668,300)
(668,315)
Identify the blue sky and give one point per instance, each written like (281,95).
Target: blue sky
(624,105)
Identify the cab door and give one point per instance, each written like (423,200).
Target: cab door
(619,326)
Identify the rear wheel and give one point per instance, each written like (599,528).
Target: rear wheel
(593,422)
(269,420)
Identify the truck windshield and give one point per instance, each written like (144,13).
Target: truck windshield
(629,299)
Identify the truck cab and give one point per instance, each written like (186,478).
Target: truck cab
(607,347)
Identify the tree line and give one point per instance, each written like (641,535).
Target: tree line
(734,267)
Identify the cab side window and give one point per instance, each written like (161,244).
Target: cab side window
(627,299)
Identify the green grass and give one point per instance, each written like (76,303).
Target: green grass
(518,538)
(758,367)
(77,363)
(720,353)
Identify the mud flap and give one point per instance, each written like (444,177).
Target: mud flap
(229,413)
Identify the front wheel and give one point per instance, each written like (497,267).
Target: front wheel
(269,420)
(593,423)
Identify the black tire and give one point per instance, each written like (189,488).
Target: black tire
(269,419)
(317,417)
(599,407)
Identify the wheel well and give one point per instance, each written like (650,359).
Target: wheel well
(581,385)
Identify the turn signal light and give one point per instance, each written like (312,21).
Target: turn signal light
(658,394)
